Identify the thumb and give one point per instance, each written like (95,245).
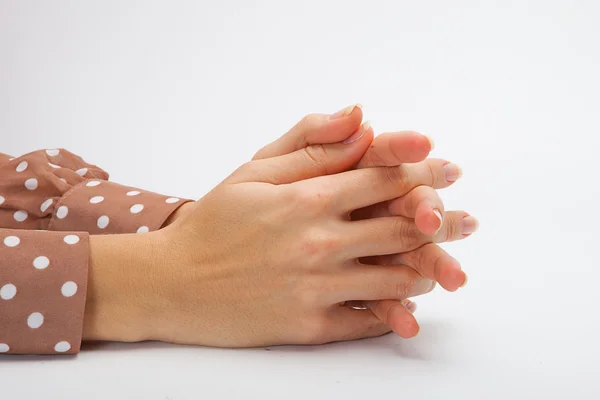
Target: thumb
(307,162)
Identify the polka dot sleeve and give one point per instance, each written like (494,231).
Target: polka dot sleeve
(57,190)
(43,282)
(50,201)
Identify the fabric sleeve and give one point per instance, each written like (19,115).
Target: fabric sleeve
(43,285)
(59,191)
(50,202)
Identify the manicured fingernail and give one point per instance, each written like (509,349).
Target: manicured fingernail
(465,282)
(431,143)
(410,305)
(453,172)
(345,112)
(438,214)
(469,225)
(359,133)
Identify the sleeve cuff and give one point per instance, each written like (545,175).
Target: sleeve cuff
(43,286)
(102,207)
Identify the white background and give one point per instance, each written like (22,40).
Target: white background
(171,96)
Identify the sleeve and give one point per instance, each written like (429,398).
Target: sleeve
(43,284)
(58,191)
(50,202)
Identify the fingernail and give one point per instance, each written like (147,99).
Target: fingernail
(345,112)
(359,133)
(453,172)
(465,282)
(410,305)
(431,143)
(438,214)
(469,225)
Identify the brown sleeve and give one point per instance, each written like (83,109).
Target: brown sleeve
(57,190)
(43,284)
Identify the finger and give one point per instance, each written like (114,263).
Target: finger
(457,225)
(315,129)
(344,323)
(430,261)
(373,282)
(395,148)
(396,315)
(308,162)
(369,186)
(390,235)
(424,205)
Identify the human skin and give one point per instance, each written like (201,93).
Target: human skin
(267,257)
(422,204)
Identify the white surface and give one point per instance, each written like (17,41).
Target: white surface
(509,90)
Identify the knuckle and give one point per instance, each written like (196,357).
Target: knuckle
(310,121)
(315,201)
(406,232)
(248,166)
(319,245)
(317,154)
(431,175)
(395,177)
(405,287)
(451,230)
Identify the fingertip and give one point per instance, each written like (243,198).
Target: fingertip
(451,276)
(403,323)
(409,329)
(428,220)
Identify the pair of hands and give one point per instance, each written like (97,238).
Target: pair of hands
(323,216)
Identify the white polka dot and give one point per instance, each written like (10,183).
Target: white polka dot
(92,183)
(2,200)
(22,166)
(62,212)
(31,184)
(41,262)
(20,216)
(82,171)
(35,320)
(96,199)
(68,289)
(143,229)
(136,208)
(133,193)
(71,239)
(63,180)
(171,200)
(62,347)
(52,152)
(12,241)
(4,348)
(103,222)
(53,165)
(45,205)
(8,291)
(10,159)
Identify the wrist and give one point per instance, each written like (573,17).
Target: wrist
(120,304)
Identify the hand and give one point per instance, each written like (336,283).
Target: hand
(422,203)
(269,254)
